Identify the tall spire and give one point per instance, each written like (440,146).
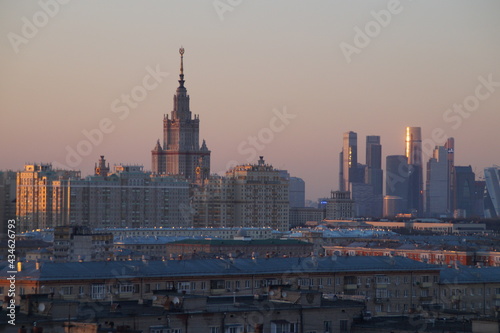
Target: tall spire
(181,75)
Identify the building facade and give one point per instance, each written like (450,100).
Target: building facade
(252,195)
(339,206)
(438,187)
(180,153)
(127,197)
(386,286)
(413,152)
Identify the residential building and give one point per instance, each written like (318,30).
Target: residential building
(251,195)
(339,206)
(127,197)
(78,243)
(386,286)
(301,215)
(260,248)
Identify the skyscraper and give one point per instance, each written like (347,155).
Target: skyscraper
(437,189)
(413,152)
(396,182)
(492,204)
(349,157)
(465,192)
(450,147)
(180,153)
(374,174)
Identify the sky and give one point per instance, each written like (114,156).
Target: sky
(282,79)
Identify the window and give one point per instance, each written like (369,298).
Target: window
(203,285)
(147,288)
(381,293)
(66,290)
(327,326)
(247,284)
(183,286)
(126,288)
(329,281)
(382,279)
(344,327)
(214,330)
(98,291)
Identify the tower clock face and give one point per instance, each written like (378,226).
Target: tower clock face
(198,170)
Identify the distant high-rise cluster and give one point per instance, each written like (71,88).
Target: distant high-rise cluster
(364,182)
(450,191)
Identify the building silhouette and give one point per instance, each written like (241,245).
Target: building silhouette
(349,157)
(492,200)
(413,151)
(437,184)
(180,152)
(396,185)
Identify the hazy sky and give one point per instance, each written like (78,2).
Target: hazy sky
(326,67)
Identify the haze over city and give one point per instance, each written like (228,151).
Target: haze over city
(245,66)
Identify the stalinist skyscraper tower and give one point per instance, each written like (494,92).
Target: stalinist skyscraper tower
(180,153)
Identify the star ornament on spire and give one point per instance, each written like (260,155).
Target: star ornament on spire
(181,75)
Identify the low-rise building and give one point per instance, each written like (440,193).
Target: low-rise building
(207,248)
(386,286)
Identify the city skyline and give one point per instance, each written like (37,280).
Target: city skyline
(284,79)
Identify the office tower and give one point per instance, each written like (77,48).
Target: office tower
(465,189)
(349,157)
(492,201)
(127,197)
(374,175)
(437,189)
(396,182)
(413,152)
(450,147)
(339,206)
(251,195)
(180,153)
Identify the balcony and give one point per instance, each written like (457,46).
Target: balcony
(425,299)
(350,286)
(426,285)
(217,291)
(380,300)
(381,285)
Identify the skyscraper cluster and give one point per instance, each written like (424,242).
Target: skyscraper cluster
(450,191)
(363,181)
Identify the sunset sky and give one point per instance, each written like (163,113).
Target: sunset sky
(66,67)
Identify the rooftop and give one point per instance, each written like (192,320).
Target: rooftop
(213,267)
